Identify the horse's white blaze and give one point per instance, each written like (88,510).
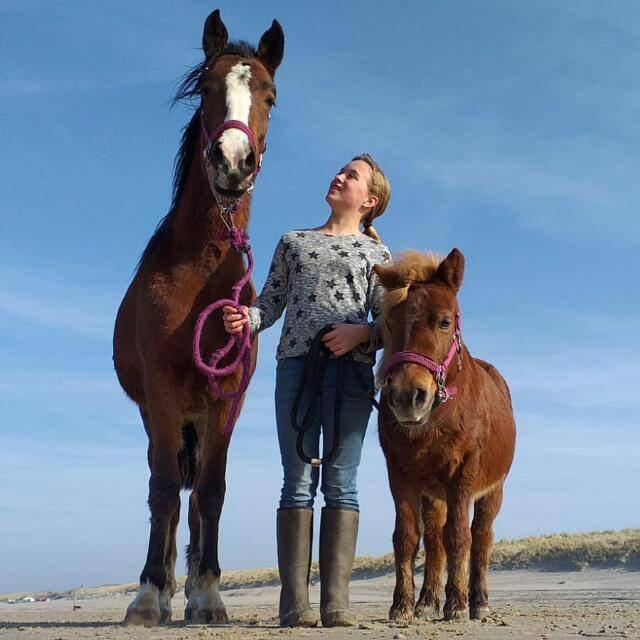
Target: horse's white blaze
(234,144)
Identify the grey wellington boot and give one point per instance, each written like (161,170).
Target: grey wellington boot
(294,531)
(338,533)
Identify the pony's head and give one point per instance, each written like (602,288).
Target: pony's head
(419,308)
(234,83)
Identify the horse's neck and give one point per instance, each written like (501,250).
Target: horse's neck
(198,226)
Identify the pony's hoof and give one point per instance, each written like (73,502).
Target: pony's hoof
(145,609)
(455,614)
(424,611)
(403,614)
(195,615)
(478,613)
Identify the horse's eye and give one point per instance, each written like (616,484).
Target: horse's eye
(388,326)
(270,103)
(204,92)
(445,324)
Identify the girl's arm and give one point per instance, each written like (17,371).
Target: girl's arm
(269,305)
(374,295)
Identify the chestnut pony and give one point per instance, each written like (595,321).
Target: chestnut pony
(448,434)
(186,265)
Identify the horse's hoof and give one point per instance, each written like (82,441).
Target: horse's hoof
(478,613)
(195,615)
(424,611)
(401,614)
(451,614)
(145,609)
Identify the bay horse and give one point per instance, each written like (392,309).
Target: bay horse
(187,264)
(447,431)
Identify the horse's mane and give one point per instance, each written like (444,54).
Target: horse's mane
(411,267)
(188,92)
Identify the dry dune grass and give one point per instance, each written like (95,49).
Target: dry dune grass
(559,552)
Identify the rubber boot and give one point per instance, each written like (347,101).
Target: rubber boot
(338,533)
(294,531)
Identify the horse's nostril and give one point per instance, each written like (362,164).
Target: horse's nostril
(216,154)
(250,160)
(392,398)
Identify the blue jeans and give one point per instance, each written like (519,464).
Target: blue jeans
(338,474)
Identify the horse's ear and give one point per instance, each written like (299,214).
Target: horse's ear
(390,277)
(451,269)
(214,36)
(271,47)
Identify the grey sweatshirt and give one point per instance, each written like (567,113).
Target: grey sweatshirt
(321,280)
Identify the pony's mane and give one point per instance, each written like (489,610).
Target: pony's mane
(412,267)
(188,92)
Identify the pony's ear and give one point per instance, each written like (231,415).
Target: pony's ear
(271,47)
(390,277)
(451,269)
(214,36)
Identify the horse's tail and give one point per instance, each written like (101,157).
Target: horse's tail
(187,456)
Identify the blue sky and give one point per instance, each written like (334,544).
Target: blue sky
(507,129)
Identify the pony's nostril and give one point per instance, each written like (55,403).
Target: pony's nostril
(420,397)
(392,398)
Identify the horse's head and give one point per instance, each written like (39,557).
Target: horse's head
(419,318)
(236,84)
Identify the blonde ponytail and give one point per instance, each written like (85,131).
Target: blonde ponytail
(378,186)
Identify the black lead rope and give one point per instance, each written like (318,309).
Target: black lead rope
(315,366)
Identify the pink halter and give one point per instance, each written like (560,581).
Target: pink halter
(439,370)
(209,138)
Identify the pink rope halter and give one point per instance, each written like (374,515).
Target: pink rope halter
(439,370)
(240,242)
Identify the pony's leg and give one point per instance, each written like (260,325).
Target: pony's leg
(162,424)
(434,515)
(193,550)
(204,604)
(406,542)
(457,541)
(485,511)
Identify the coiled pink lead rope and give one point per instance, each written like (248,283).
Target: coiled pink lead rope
(242,341)
(240,242)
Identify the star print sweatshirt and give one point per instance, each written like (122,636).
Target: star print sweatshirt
(321,280)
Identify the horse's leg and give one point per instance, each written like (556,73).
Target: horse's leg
(162,423)
(406,542)
(193,550)
(457,541)
(170,565)
(484,513)
(170,587)
(434,515)
(205,604)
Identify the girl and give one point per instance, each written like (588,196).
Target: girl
(323,276)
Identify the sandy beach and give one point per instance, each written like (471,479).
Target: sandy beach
(594,603)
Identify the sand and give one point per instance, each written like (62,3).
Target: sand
(602,603)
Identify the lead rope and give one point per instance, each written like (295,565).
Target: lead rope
(315,366)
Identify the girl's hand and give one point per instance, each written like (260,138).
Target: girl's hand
(234,319)
(345,337)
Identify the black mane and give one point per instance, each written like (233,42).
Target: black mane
(188,92)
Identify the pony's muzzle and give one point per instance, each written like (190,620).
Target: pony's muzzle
(410,404)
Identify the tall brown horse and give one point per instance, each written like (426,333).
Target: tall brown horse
(448,434)
(184,267)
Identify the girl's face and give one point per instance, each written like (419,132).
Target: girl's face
(349,190)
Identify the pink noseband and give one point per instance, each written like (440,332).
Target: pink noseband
(439,370)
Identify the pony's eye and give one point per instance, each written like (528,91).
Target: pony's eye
(388,326)
(270,103)
(204,92)
(445,324)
